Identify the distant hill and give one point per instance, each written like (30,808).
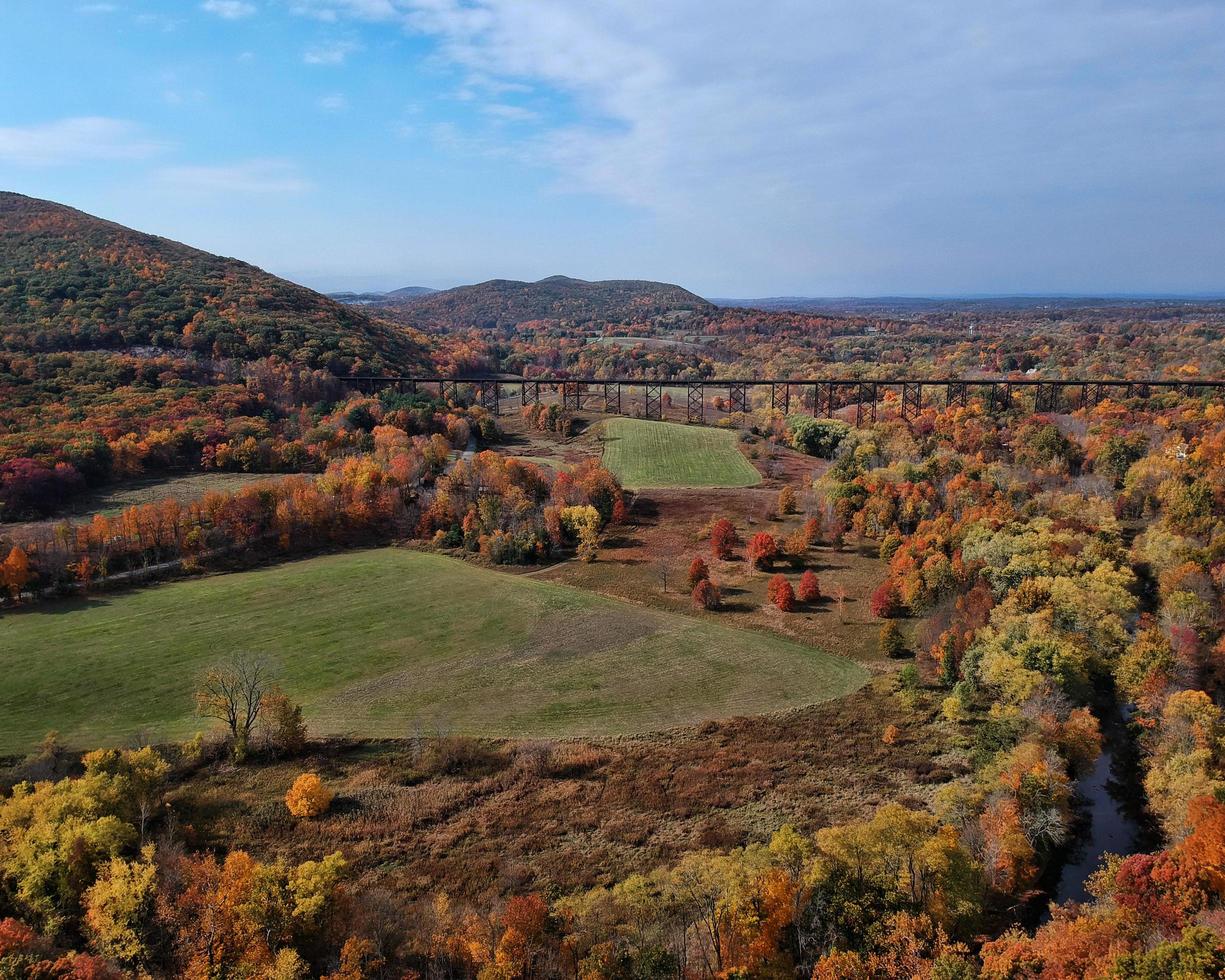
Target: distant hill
(71,281)
(507,302)
(374,299)
(911,305)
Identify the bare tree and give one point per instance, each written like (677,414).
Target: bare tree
(233,693)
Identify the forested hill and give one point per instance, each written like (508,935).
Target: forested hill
(71,281)
(507,302)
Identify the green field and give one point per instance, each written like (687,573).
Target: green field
(663,454)
(384,641)
(117,497)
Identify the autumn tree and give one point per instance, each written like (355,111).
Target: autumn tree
(588,543)
(810,587)
(786,501)
(781,593)
(697,571)
(233,693)
(283,728)
(839,594)
(885,602)
(892,641)
(723,538)
(120,908)
(308,797)
(762,549)
(706,595)
(15,572)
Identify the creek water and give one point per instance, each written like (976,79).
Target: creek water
(1113,818)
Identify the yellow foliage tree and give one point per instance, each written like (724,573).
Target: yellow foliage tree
(308,797)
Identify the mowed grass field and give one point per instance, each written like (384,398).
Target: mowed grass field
(387,642)
(663,454)
(118,497)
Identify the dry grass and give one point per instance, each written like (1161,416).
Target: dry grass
(483,819)
(670,527)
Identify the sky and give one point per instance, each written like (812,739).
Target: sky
(783,147)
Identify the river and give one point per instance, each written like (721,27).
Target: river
(1113,818)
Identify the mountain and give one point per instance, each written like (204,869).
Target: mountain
(917,305)
(376,299)
(506,302)
(71,281)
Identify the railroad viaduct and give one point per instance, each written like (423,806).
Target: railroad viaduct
(820,396)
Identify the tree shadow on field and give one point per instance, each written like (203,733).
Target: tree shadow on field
(645,511)
(58,607)
(512,439)
(623,541)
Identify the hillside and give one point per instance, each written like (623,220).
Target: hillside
(70,281)
(506,302)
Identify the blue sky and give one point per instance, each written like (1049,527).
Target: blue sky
(817,147)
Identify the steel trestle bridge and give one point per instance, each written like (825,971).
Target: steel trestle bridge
(820,397)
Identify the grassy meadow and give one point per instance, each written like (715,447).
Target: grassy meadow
(664,454)
(387,641)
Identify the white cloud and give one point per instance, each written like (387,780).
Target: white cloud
(75,140)
(333,10)
(819,133)
(332,53)
(333,103)
(229,9)
(262,176)
(509,113)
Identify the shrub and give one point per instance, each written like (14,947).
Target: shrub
(892,642)
(812,530)
(786,501)
(697,572)
(784,596)
(817,437)
(308,797)
(284,729)
(762,549)
(890,734)
(776,582)
(588,543)
(810,587)
(723,538)
(796,546)
(885,602)
(706,595)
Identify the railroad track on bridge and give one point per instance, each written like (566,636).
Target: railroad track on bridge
(820,397)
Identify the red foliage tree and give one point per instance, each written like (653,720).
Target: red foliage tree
(762,549)
(706,595)
(620,513)
(885,601)
(723,538)
(698,571)
(776,582)
(1159,888)
(784,596)
(810,587)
